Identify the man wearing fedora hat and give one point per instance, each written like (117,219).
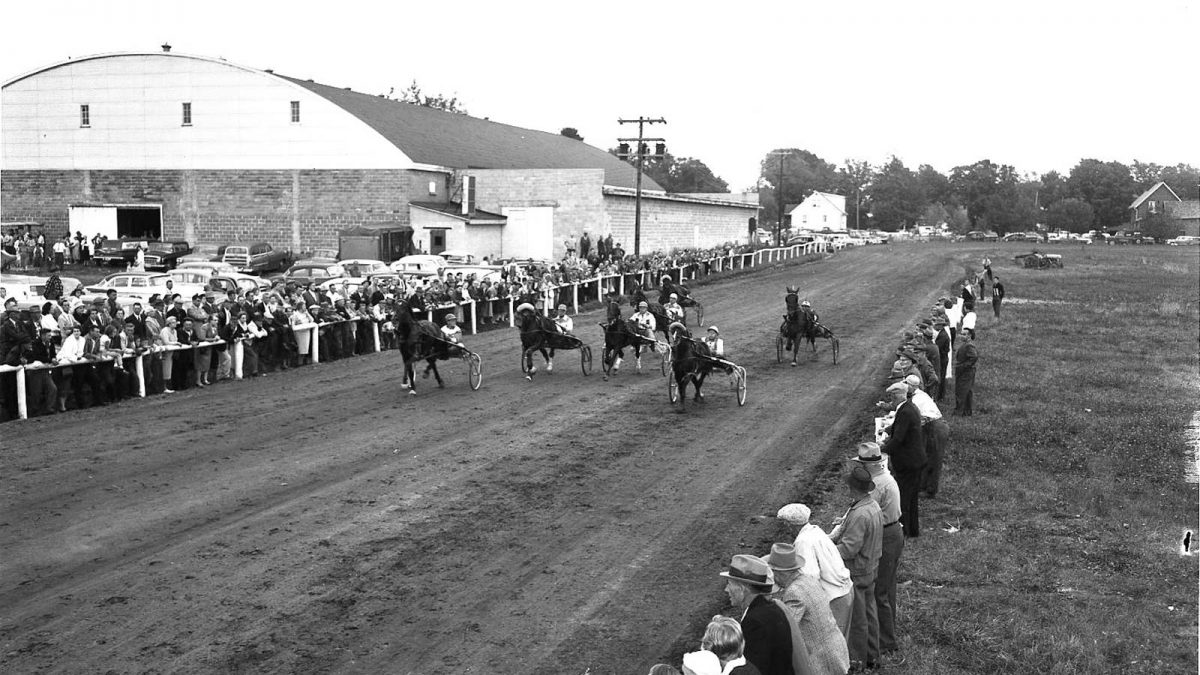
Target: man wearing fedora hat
(765,625)
(906,448)
(805,599)
(887,495)
(859,539)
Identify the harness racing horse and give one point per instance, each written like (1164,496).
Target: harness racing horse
(534,331)
(796,326)
(418,340)
(619,334)
(690,362)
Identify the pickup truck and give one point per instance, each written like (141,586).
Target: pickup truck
(256,258)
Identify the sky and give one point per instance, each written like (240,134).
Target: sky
(1038,84)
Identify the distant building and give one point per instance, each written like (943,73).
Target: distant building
(1161,199)
(180,146)
(820,211)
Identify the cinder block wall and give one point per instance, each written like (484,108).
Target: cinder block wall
(577,196)
(225,206)
(668,225)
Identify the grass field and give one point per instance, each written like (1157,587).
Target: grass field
(1054,545)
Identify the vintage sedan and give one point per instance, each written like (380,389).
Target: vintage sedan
(165,255)
(211,267)
(307,273)
(131,287)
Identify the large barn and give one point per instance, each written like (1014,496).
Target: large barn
(190,147)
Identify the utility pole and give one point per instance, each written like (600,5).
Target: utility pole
(782,155)
(642,151)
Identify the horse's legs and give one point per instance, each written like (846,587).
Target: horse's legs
(549,361)
(699,382)
(527,358)
(433,364)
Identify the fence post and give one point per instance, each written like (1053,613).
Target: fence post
(314,344)
(620,284)
(22,404)
(511,321)
(375,334)
(575,296)
(140,369)
(239,352)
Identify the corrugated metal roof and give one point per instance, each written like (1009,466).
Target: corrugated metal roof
(431,136)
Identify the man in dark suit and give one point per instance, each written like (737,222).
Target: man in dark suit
(943,341)
(14,347)
(138,320)
(99,376)
(906,447)
(765,626)
(44,386)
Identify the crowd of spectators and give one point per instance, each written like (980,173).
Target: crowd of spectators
(188,341)
(825,602)
(27,250)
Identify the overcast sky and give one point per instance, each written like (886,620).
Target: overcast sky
(1037,84)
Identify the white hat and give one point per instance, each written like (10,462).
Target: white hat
(796,514)
(702,662)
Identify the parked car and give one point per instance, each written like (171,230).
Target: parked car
(308,272)
(418,263)
(204,253)
(457,257)
(118,251)
(1015,236)
(192,281)
(257,258)
(131,287)
(1184,240)
(323,255)
(212,267)
(165,255)
(29,290)
(362,267)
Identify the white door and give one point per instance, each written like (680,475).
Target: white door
(93,220)
(529,232)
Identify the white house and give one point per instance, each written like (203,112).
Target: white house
(820,211)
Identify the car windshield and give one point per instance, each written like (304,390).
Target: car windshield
(160,247)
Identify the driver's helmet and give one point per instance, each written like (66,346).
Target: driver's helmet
(805,304)
(793,289)
(674,296)
(643,305)
(665,277)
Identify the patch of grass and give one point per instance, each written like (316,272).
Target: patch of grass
(1067,486)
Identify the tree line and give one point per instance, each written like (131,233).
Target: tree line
(1094,195)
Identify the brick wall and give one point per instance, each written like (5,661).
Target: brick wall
(224,206)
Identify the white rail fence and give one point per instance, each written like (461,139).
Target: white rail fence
(308,336)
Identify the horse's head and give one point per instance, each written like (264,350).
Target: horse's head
(677,330)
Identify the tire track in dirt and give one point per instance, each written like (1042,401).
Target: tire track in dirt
(449,532)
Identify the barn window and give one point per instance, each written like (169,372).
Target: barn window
(295,112)
(432,188)
(187,114)
(85,116)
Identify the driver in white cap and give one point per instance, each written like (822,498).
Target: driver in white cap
(564,322)
(673,309)
(644,320)
(715,344)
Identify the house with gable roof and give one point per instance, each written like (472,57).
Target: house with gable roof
(181,146)
(820,211)
(1161,199)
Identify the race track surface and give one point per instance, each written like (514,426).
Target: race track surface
(323,520)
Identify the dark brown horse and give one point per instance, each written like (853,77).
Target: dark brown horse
(418,341)
(690,362)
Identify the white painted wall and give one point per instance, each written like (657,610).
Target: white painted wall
(819,211)
(529,232)
(93,220)
(241,119)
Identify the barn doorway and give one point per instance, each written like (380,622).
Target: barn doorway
(139,222)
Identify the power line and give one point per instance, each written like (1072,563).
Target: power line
(642,152)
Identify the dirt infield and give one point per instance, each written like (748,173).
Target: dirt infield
(322,520)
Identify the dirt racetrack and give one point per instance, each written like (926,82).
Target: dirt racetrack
(322,520)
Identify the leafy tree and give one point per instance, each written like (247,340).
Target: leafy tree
(438,101)
(685,174)
(1070,214)
(853,179)
(571,132)
(1161,226)
(803,172)
(989,192)
(958,220)
(935,187)
(1108,187)
(896,199)
(1184,179)
(1053,188)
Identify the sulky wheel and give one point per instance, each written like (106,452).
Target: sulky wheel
(834,343)
(739,383)
(666,357)
(779,348)
(585,359)
(672,388)
(474,371)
